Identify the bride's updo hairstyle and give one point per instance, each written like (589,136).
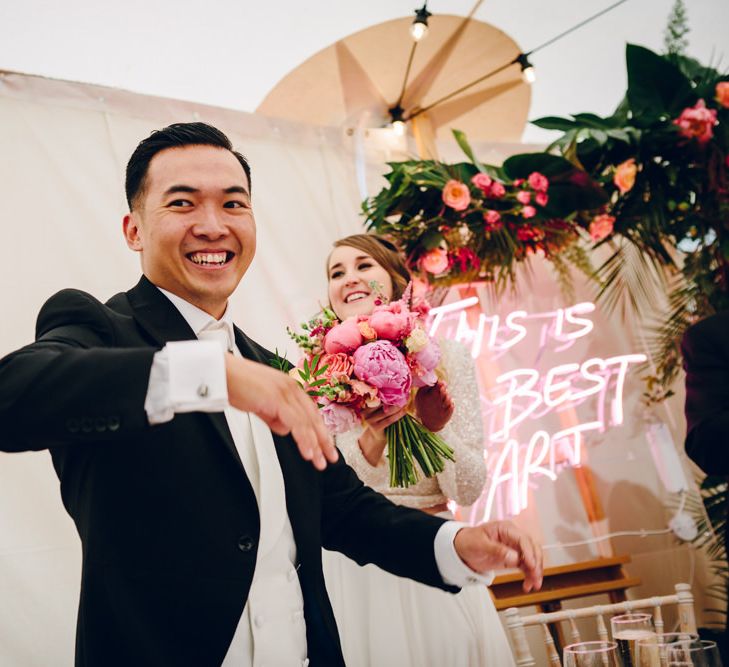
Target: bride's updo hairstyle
(384,253)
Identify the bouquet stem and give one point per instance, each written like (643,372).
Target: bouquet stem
(409,441)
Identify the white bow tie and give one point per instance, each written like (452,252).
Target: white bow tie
(220,331)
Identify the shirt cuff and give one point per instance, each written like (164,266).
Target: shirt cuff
(453,570)
(186,376)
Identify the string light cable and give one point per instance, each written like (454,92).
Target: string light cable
(521,59)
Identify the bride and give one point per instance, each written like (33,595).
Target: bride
(385,620)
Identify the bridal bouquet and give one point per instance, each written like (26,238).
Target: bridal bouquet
(375,360)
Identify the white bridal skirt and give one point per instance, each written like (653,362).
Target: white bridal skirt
(388,621)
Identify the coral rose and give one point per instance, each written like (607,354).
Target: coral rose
(434,261)
(456,195)
(722,93)
(601,226)
(541,198)
(624,178)
(538,182)
(383,366)
(697,122)
(528,211)
(339,365)
(482,182)
(344,337)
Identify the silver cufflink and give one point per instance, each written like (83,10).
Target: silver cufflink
(202,391)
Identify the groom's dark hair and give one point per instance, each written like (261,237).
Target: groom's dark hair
(173,136)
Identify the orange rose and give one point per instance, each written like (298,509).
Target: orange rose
(624,178)
(434,261)
(456,195)
(368,333)
(722,93)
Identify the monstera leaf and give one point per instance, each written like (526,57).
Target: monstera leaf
(656,86)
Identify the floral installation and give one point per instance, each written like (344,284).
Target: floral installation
(648,185)
(464,222)
(370,361)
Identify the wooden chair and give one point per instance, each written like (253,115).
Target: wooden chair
(516,624)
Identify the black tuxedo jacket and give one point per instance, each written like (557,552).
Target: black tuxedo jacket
(168,521)
(705,348)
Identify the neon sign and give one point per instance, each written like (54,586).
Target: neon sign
(519,404)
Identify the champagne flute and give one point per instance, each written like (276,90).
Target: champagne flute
(653,651)
(592,654)
(627,629)
(700,653)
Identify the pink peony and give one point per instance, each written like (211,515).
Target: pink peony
(383,366)
(624,178)
(722,93)
(523,197)
(339,365)
(344,337)
(528,211)
(697,122)
(388,324)
(497,190)
(434,261)
(601,226)
(482,182)
(541,198)
(338,418)
(538,182)
(456,195)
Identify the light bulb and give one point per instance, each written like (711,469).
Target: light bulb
(418,30)
(529,74)
(398,127)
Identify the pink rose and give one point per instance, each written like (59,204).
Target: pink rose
(497,190)
(339,365)
(722,93)
(482,182)
(338,418)
(456,195)
(389,325)
(624,178)
(344,337)
(434,261)
(538,181)
(541,198)
(528,211)
(601,226)
(523,197)
(383,366)
(492,221)
(697,122)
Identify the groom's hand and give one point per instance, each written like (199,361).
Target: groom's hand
(498,545)
(280,402)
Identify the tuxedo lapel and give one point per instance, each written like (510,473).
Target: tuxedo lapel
(163,323)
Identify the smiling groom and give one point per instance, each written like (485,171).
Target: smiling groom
(202,482)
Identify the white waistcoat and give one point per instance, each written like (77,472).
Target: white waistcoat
(271,631)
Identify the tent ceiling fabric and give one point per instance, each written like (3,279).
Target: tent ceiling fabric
(356,80)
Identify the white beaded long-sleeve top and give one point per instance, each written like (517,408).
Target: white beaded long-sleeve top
(463,479)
